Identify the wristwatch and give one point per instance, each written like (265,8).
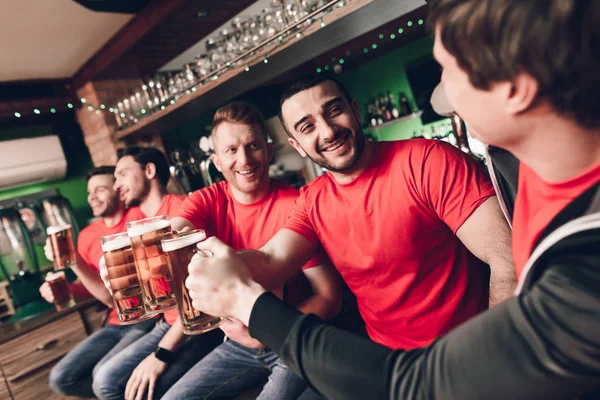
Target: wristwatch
(164,355)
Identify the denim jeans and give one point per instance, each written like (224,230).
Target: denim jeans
(111,378)
(231,369)
(72,375)
(311,394)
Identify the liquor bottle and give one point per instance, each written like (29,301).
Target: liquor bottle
(405,104)
(392,105)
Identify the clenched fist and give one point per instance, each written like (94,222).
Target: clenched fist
(220,283)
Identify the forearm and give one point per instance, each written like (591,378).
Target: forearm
(503,280)
(174,338)
(337,363)
(264,269)
(90,278)
(541,345)
(178,224)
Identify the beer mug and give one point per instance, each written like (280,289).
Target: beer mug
(179,251)
(63,249)
(124,281)
(60,290)
(151,262)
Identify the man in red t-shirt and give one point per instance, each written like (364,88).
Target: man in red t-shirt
(400,221)
(141,177)
(72,376)
(245,210)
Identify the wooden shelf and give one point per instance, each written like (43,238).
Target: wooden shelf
(395,121)
(341,26)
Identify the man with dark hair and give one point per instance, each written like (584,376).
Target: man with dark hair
(523,74)
(72,376)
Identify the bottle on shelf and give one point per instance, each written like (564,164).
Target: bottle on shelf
(392,105)
(405,107)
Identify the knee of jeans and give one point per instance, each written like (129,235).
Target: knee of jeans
(58,381)
(101,384)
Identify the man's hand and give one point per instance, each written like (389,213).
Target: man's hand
(144,376)
(220,283)
(104,273)
(234,329)
(48,250)
(46,292)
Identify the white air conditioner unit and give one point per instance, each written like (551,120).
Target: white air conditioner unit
(26,161)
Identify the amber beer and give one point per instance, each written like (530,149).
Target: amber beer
(63,249)
(179,251)
(60,290)
(123,278)
(151,262)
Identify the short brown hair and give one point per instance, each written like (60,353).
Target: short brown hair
(556,41)
(240,112)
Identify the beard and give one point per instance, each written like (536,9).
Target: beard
(138,194)
(349,162)
(111,208)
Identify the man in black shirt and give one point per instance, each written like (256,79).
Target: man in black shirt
(524,76)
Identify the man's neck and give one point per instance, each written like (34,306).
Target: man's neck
(559,150)
(363,161)
(251,198)
(152,202)
(114,219)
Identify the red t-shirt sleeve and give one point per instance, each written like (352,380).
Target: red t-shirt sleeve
(452,183)
(196,208)
(298,220)
(320,257)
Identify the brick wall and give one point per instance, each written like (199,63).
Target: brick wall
(99,129)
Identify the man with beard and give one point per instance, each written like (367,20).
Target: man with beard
(524,75)
(141,177)
(245,210)
(72,376)
(400,221)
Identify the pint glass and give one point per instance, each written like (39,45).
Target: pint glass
(179,251)
(151,262)
(63,249)
(124,281)
(60,290)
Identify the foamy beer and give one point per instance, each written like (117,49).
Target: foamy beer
(179,251)
(63,249)
(60,290)
(124,282)
(151,262)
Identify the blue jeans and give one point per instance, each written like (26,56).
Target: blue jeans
(72,375)
(111,378)
(310,394)
(231,369)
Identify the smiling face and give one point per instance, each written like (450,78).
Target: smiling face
(325,127)
(103,199)
(242,155)
(130,181)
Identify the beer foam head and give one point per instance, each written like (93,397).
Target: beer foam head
(56,228)
(50,276)
(185,240)
(146,227)
(117,243)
